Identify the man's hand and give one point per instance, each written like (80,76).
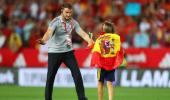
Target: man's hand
(90,35)
(40,41)
(90,42)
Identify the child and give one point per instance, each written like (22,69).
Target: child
(107,56)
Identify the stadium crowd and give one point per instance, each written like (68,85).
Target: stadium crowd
(140,23)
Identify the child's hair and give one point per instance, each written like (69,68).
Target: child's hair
(109,27)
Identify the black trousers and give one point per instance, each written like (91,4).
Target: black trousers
(54,62)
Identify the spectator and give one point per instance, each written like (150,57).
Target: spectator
(144,25)
(15,42)
(34,35)
(2,39)
(149,16)
(34,9)
(27,28)
(141,39)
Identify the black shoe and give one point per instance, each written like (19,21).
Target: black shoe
(84,98)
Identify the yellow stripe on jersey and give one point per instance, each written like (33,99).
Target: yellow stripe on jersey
(98,73)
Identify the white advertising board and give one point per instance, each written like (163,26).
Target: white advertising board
(37,77)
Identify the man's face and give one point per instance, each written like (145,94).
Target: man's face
(67,13)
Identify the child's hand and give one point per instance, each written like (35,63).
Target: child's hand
(90,46)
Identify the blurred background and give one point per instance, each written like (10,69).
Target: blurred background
(144,27)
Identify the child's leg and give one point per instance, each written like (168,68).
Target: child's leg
(100,76)
(110,90)
(100,90)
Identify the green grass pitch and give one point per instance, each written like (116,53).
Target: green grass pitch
(8,92)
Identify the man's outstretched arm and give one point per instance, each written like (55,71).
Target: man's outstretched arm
(86,37)
(46,37)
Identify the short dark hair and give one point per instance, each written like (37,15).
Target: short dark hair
(109,27)
(66,5)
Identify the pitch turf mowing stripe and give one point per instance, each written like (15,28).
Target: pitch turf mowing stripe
(37,93)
